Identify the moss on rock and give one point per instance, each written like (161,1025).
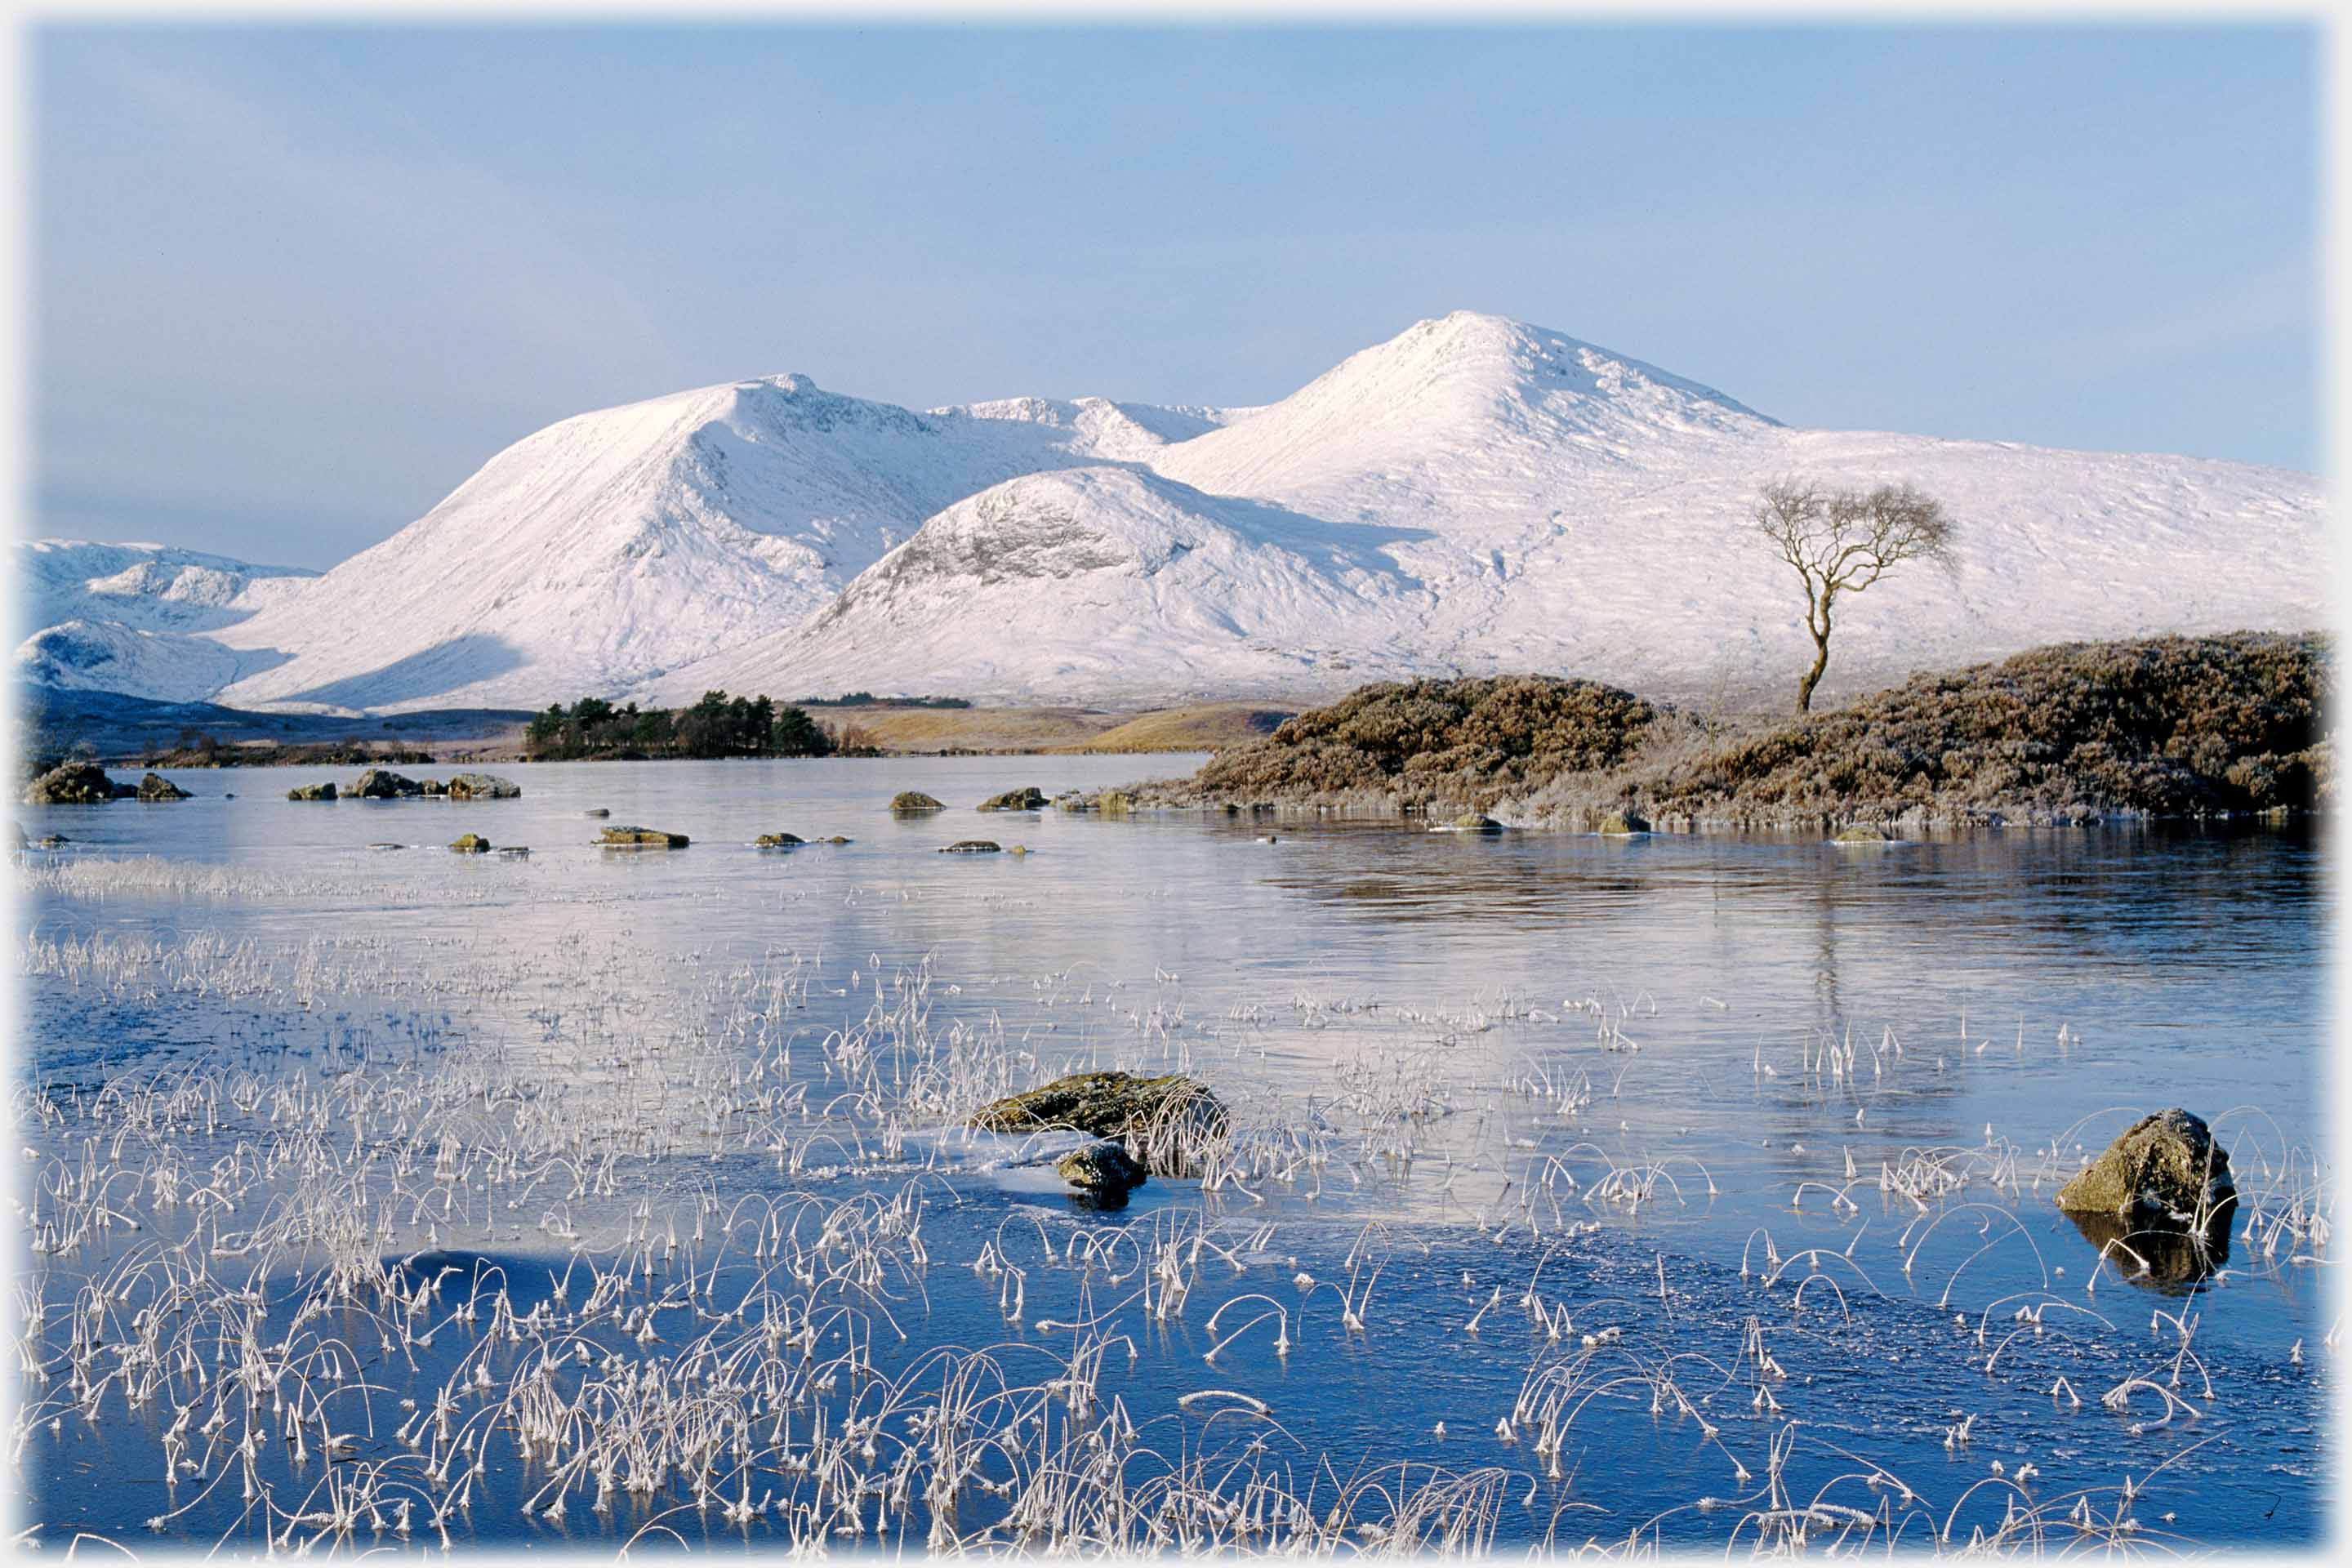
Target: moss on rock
(1028,797)
(1163,1122)
(2168,1163)
(74,784)
(633,837)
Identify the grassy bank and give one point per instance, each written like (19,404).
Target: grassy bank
(2159,727)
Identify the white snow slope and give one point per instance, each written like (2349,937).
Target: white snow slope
(1474,495)
(606,549)
(1522,500)
(134,617)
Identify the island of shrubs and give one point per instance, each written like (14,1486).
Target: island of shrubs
(2166,726)
(717,726)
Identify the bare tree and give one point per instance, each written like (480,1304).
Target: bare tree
(1842,542)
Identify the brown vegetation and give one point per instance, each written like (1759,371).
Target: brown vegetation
(2163,726)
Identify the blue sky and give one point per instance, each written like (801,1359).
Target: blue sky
(290,287)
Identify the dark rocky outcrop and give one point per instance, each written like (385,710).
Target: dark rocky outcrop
(1105,1171)
(641,839)
(908,802)
(482,786)
(155,786)
(75,783)
(972,847)
(1028,797)
(311,792)
(379,784)
(2166,1165)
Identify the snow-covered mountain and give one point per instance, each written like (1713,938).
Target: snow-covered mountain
(604,550)
(1541,503)
(135,617)
(1475,494)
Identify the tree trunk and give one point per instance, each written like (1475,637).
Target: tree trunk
(1820,657)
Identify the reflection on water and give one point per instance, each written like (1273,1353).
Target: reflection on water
(1726,1055)
(2171,1258)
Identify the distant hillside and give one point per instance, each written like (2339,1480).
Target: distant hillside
(2163,727)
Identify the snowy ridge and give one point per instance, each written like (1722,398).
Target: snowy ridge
(132,617)
(1475,494)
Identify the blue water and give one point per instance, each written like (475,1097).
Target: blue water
(1456,1053)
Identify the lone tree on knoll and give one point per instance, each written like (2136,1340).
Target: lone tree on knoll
(1840,542)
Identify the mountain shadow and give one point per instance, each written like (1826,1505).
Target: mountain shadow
(444,667)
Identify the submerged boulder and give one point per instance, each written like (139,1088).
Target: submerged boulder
(155,786)
(1105,1171)
(482,786)
(2163,1257)
(75,783)
(598,811)
(471,844)
(2166,1164)
(377,784)
(908,801)
(311,792)
(780,841)
(1622,824)
(1475,822)
(1162,1122)
(642,839)
(1862,833)
(1028,797)
(972,847)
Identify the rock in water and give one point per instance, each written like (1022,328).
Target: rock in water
(1028,797)
(1862,833)
(2166,1163)
(471,844)
(906,802)
(1162,1120)
(1103,1171)
(972,847)
(642,839)
(482,786)
(155,786)
(377,783)
(74,784)
(779,840)
(1475,822)
(1622,824)
(598,811)
(311,792)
